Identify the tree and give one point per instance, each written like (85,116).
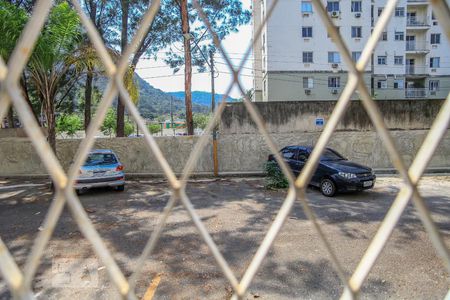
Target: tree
(224,16)
(69,124)
(101,14)
(52,65)
(201,120)
(12,21)
(109,123)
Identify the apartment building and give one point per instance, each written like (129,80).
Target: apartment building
(296,59)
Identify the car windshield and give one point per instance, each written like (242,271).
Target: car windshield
(100,159)
(329,155)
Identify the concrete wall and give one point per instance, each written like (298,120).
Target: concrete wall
(285,117)
(18,156)
(238,153)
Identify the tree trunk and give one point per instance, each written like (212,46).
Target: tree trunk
(11,118)
(51,123)
(187,67)
(24,85)
(120,128)
(88,99)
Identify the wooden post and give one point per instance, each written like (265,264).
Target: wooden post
(187,67)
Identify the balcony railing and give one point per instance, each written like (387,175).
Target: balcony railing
(415,93)
(415,70)
(414,22)
(416,46)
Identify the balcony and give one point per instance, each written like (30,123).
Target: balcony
(415,93)
(416,47)
(416,23)
(417,2)
(415,70)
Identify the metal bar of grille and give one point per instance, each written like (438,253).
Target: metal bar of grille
(20,283)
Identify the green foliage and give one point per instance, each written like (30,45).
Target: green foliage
(201,120)
(129,128)
(154,128)
(109,124)
(275,178)
(12,21)
(69,124)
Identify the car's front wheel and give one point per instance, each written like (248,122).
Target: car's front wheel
(328,188)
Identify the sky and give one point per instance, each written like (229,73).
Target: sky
(161,76)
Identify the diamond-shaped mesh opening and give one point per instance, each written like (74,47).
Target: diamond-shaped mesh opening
(19,281)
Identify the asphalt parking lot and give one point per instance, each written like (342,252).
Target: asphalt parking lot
(237,213)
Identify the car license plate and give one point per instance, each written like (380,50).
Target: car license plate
(367,183)
(99,173)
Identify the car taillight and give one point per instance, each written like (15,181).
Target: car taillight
(119,168)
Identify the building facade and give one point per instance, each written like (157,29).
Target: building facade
(296,59)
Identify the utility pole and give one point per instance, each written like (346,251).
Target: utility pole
(187,66)
(213,107)
(171,115)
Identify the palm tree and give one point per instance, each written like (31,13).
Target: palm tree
(53,63)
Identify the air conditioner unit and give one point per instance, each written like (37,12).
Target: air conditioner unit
(433,70)
(434,46)
(334,65)
(308,92)
(433,93)
(334,91)
(334,14)
(358,15)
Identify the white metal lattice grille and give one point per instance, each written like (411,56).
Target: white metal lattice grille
(20,281)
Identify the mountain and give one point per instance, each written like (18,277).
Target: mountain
(153,102)
(202,98)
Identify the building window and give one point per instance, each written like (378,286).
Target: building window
(382,84)
(380,10)
(433,17)
(382,60)
(435,62)
(308,82)
(398,60)
(356,56)
(334,57)
(399,11)
(384,36)
(399,84)
(334,82)
(307,57)
(399,36)
(333,6)
(356,32)
(433,85)
(435,38)
(306,32)
(307,7)
(356,6)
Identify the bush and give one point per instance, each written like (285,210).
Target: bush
(154,128)
(69,124)
(275,178)
(109,124)
(129,128)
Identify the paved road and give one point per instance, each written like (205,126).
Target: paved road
(237,213)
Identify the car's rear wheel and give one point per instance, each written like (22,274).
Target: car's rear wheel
(328,188)
(120,188)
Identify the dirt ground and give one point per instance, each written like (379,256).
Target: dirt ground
(237,213)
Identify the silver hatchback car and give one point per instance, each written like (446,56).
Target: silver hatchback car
(101,169)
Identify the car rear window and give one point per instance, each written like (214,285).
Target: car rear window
(100,159)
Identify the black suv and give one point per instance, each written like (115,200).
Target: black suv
(334,172)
